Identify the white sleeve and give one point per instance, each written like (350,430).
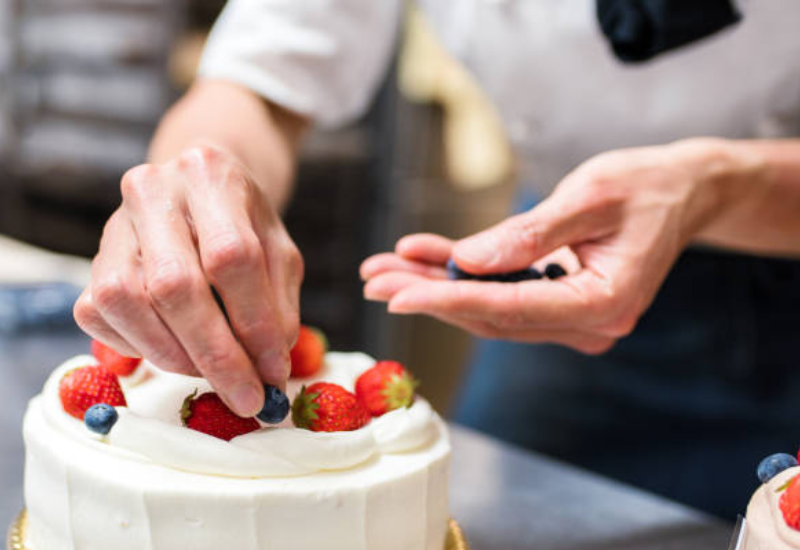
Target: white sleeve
(320,58)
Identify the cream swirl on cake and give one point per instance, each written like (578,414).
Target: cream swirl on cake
(150,427)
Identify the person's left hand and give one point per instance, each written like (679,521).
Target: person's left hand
(625,215)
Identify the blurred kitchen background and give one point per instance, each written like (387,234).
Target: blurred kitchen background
(82,85)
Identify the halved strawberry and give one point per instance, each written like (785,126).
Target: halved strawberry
(83,387)
(113,361)
(209,415)
(385,387)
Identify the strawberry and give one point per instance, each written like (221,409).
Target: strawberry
(789,503)
(308,353)
(113,361)
(385,387)
(83,387)
(209,415)
(325,407)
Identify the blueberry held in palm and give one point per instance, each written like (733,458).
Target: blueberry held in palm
(100,418)
(455,273)
(775,464)
(532,274)
(276,406)
(554,271)
(529,274)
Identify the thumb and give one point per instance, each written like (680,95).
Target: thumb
(517,242)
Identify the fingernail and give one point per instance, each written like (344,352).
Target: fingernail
(478,250)
(247,400)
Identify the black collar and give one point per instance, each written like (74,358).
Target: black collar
(639,30)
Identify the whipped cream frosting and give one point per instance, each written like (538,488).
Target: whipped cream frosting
(150,427)
(766,528)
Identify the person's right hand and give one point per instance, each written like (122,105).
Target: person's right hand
(197,221)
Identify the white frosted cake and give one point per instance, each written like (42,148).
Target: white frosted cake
(153,484)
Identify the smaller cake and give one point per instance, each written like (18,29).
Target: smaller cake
(773,515)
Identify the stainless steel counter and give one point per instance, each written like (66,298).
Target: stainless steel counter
(510,499)
(504,498)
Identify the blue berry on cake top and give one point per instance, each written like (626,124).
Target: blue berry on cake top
(100,418)
(276,406)
(775,464)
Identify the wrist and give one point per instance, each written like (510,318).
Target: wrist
(722,171)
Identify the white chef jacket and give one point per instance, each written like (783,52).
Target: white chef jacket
(561,93)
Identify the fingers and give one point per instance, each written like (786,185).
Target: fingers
(564,257)
(517,242)
(490,310)
(179,291)
(386,262)
(616,219)
(532,312)
(590,344)
(191,223)
(383,287)
(89,319)
(233,260)
(488,300)
(569,302)
(285,266)
(118,297)
(425,247)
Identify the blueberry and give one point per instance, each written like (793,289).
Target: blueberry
(276,406)
(775,464)
(532,274)
(554,271)
(512,277)
(455,273)
(100,418)
(529,274)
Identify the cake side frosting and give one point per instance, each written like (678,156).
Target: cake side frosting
(378,488)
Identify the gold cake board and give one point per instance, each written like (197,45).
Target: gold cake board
(16,535)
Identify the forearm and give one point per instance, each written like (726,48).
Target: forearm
(755,186)
(263,137)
